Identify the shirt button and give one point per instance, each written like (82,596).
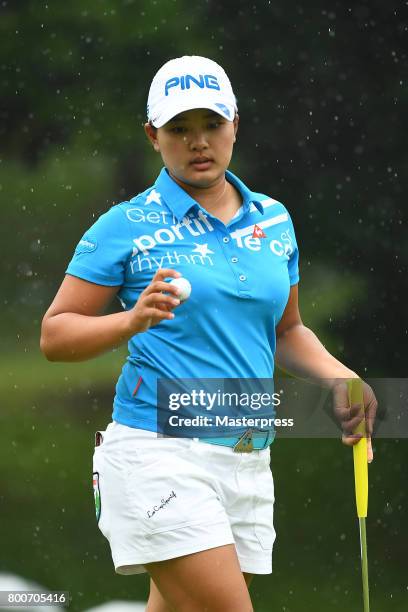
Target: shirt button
(242,277)
(225,239)
(234,259)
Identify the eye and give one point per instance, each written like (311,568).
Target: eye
(178,129)
(213,125)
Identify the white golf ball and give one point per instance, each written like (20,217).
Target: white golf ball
(184,287)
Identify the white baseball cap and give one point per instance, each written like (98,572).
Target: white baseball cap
(189,82)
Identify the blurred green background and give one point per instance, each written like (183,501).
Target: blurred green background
(321,91)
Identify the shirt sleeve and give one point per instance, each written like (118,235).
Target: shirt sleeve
(103,251)
(293,253)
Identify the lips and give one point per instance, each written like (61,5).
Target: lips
(200,159)
(201,163)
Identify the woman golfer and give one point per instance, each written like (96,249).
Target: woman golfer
(195,512)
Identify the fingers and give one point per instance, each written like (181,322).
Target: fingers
(158,314)
(153,295)
(163,273)
(349,426)
(159,285)
(371,405)
(351,440)
(345,412)
(370,453)
(351,417)
(160,299)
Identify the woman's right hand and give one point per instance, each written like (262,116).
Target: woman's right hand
(154,306)
(74,328)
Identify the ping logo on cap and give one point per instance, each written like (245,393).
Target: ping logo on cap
(208,81)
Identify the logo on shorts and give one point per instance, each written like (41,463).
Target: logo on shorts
(164,501)
(97,495)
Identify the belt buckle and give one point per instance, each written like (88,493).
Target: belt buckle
(245,443)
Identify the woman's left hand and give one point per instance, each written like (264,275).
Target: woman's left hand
(350,416)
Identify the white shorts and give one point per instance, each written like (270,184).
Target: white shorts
(161,498)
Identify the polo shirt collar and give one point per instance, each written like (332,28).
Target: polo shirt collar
(180,202)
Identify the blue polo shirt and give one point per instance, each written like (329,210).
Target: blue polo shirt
(240,282)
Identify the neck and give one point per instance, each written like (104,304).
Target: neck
(208,197)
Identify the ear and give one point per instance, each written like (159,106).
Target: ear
(151,133)
(235,122)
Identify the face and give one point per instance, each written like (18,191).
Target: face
(196,146)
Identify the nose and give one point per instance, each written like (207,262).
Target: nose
(197,140)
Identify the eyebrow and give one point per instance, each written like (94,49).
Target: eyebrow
(182,117)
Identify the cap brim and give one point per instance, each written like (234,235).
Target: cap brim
(225,110)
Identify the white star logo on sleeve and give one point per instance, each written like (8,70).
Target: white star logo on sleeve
(154,196)
(202,249)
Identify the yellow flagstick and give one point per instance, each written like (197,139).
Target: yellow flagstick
(355,392)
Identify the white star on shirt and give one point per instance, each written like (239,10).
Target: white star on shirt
(202,249)
(154,196)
